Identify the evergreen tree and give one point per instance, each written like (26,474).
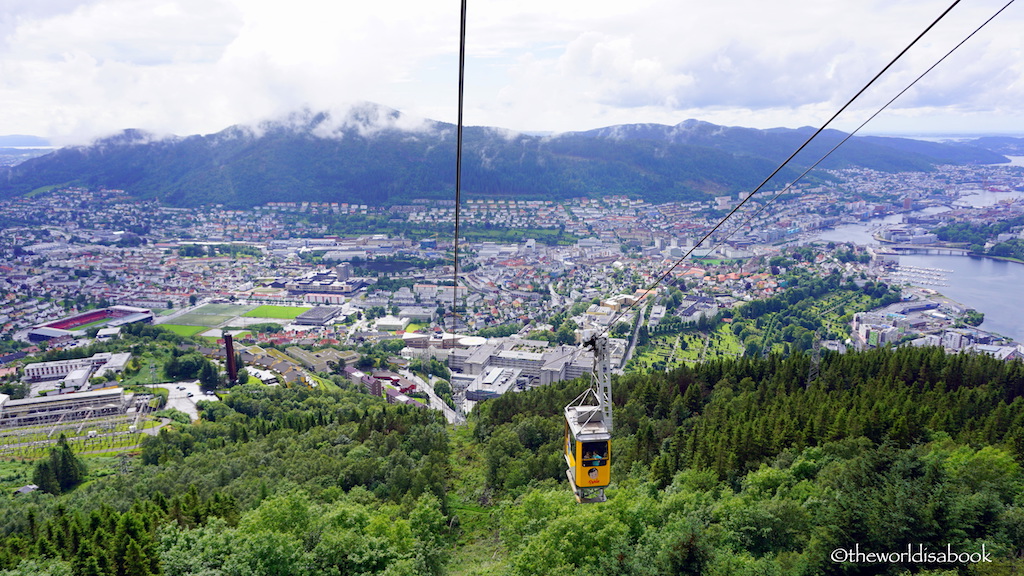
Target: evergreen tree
(208,376)
(45,477)
(62,471)
(135,562)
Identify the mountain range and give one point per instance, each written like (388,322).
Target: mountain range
(378,156)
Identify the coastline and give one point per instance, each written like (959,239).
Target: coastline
(953,307)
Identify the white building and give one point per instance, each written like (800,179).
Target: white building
(100,363)
(391,323)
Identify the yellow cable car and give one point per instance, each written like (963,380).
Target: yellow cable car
(588,431)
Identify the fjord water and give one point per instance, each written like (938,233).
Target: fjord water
(990,286)
(993,287)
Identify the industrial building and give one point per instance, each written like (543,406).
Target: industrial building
(321,360)
(63,407)
(418,313)
(494,383)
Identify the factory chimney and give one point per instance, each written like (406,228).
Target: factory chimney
(229,352)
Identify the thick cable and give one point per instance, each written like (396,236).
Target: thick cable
(721,222)
(861,126)
(458,165)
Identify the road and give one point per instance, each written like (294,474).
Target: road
(632,341)
(556,298)
(435,402)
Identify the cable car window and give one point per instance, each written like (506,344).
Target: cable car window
(595,453)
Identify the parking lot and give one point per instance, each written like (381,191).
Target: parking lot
(184,395)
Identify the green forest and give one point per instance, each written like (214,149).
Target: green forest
(977,235)
(970,233)
(393,167)
(734,466)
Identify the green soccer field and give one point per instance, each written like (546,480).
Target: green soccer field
(222,309)
(281,312)
(186,331)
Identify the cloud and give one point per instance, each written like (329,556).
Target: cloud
(16,12)
(72,70)
(366,119)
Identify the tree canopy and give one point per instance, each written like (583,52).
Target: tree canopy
(738,466)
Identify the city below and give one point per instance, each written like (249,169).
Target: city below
(273,301)
(532,274)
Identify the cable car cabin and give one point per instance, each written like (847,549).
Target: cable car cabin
(587,452)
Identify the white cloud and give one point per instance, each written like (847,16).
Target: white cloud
(74,69)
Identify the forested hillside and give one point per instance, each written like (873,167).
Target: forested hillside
(727,467)
(374,155)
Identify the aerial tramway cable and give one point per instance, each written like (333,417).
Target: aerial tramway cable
(582,417)
(588,427)
(721,222)
(458,167)
(861,126)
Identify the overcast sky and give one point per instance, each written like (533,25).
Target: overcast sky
(72,70)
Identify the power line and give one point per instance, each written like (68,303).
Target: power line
(721,222)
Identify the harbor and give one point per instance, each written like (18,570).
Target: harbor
(918,275)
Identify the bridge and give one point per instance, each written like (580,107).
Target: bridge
(922,249)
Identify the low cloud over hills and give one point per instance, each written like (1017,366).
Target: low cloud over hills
(374,155)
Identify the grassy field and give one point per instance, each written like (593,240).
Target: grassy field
(281,312)
(324,383)
(222,309)
(207,320)
(727,343)
(832,309)
(151,369)
(14,474)
(44,189)
(690,347)
(182,330)
(93,324)
(658,354)
(479,551)
(101,465)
